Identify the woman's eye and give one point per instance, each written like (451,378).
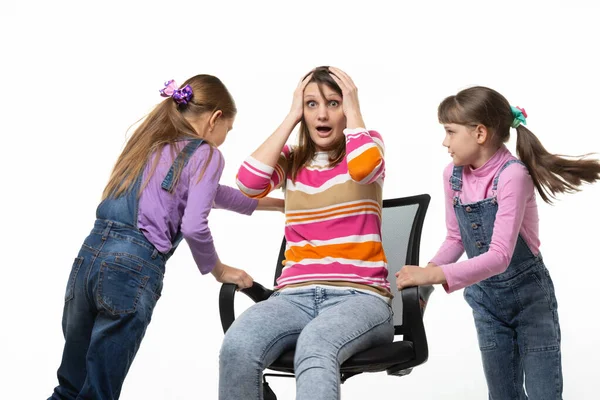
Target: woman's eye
(311,103)
(334,103)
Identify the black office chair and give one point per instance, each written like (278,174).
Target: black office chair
(401,233)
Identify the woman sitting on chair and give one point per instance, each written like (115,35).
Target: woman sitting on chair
(332,299)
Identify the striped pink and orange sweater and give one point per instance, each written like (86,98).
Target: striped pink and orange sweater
(333,214)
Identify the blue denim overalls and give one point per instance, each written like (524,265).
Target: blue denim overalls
(113,287)
(515,312)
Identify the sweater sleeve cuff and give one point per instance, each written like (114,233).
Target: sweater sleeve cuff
(258,167)
(208,264)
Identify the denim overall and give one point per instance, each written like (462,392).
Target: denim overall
(113,287)
(515,312)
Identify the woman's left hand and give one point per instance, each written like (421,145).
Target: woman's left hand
(350,103)
(413,275)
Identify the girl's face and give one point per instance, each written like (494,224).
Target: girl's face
(323,115)
(463,143)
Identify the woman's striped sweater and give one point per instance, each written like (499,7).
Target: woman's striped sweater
(333,214)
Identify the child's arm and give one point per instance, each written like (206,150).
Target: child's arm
(515,188)
(225,274)
(231,199)
(271,204)
(364,154)
(449,252)
(234,200)
(200,200)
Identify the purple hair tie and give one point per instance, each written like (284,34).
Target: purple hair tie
(181,96)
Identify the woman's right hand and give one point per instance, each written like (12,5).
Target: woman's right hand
(223,273)
(297,110)
(269,152)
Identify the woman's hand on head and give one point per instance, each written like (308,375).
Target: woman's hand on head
(297,110)
(350,103)
(223,273)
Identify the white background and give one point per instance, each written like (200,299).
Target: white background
(76,75)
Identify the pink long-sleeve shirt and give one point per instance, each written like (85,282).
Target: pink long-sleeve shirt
(517,214)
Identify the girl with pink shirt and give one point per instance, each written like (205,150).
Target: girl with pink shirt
(491,213)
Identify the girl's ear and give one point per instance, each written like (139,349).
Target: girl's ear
(213,119)
(481,134)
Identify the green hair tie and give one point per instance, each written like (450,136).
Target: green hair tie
(519,115)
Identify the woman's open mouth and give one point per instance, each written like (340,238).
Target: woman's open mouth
(324,130)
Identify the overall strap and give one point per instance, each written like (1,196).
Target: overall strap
(456,178)
(181,161)
(495,184)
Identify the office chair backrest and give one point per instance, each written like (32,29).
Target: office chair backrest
(401,232)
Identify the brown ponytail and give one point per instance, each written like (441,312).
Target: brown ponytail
(551,173)
(167,124)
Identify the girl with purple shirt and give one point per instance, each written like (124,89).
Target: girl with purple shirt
(491,213)
(162,188)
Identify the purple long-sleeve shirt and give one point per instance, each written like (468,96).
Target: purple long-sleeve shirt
(162,214)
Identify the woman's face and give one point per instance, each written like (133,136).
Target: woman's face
(323,115)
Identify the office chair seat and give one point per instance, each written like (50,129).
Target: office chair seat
(375,359)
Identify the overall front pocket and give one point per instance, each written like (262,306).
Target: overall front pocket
(484,325)
(119,288)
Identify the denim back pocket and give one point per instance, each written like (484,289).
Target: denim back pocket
(119,288)
(155,276)
(70,292)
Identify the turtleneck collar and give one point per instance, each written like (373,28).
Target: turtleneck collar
(491,165)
